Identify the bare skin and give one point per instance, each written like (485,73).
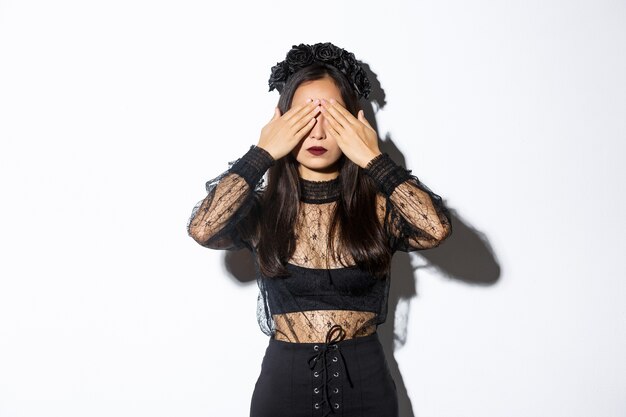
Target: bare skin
(318,117)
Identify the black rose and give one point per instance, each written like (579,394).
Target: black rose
(326,52)
(347,63)
(361,83)
(280,72)
(299,56)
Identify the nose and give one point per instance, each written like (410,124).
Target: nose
(318,131)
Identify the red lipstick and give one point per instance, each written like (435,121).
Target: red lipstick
(317,150)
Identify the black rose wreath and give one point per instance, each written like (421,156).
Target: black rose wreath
(303,55)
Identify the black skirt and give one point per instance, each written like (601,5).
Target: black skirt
(338,378)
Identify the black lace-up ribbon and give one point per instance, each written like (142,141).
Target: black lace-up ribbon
(335,334)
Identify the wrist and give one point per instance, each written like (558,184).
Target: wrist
(386,173)
(372,159)
(267,153)
(267,150)
(253,164)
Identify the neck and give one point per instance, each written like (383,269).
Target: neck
(320,191)
(318,175)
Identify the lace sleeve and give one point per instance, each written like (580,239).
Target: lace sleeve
(415,217)
(216,222)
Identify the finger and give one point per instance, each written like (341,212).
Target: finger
(276,113)
(363,119)
(332,121)
(334,115)
(293,110)
(342,114)
(305,120)
(328,125)
(300,111)
(306,127)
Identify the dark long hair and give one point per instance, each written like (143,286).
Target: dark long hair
(361,233)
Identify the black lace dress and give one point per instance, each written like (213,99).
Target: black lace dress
(321,292)
(324,356)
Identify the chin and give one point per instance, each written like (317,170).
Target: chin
(317,162)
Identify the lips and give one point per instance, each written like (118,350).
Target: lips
(316,150)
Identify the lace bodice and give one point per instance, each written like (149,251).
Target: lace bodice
(322,290)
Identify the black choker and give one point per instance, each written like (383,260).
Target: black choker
(318,192)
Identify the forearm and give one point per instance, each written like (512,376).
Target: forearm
(227,194)
(421,208)
(217,208)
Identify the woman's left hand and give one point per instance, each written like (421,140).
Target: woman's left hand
(355,136)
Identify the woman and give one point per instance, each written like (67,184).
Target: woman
(322,233)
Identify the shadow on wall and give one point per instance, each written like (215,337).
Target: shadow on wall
(466,256)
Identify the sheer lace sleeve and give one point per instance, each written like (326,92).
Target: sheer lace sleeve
(217,221)
(415,217)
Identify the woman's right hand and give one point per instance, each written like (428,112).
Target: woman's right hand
(283,133)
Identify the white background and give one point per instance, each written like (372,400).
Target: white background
(114,114)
